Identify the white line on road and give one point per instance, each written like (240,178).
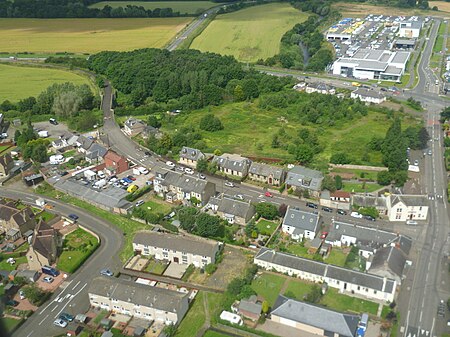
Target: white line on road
(70,299)
(43,320)
(56,307)
(432,326)
(30,334)
(76,285)
(56,299)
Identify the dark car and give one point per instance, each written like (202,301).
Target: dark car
(148,153)
(327,209)
(341,212)
(312,205)
(67,317)
(12,303)
(369,217)
(73,217)
(131,178)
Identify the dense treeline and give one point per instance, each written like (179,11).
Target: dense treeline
(182,79)
(76,9)
(422,4)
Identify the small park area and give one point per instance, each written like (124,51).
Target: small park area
(78,246)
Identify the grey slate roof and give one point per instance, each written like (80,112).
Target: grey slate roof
(191,154)
(266,170)
(301,220)
(300,176)
(186,244)
(368,236)
(250,305)
(232,162)
(96,151)
(186,182)
(389,258)
(367,93)
(344,325)
(131,292)
(84,142)
(228,205)
(409,200)
(369,201)
(325,270)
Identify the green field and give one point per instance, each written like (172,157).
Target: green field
(268,286)
(189,7)
(251,33)
(22,82)
(86,35)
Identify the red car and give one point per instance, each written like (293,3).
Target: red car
(131,178)
(268,194)
(323,235)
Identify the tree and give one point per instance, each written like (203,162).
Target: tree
(384,178)
(34,294)
(210,268)
(329,183)
(187,217)
(267,210)
(209,226)
(339,158)
(238,93)
(304,154)
(314,294)
(210,123)
(66,104)
(265,307)
(202,165)
(338,182)
(39,153)
(170,330)
(153,121)
(282,210)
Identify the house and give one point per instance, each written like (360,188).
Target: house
(250,308)
(95,153)
(83,144)
(44,247)
(303,178)
(336,199)
(373,64)
(65,140)
(115,163)
(174,186)
(379,203)
(410,29)
(300,224)
(232,164)
(150,131)
(266,174)
(345,280)
(138,300)
(11,217)
(132,126)
(407,207)
(29,275)
(190,156)
(321,88)
(367,239)
(405,44)
(368,96)
(388,262)
(176,248)
(234,211)
(6,164)
(313,319)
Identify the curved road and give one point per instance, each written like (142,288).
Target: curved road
(71,296)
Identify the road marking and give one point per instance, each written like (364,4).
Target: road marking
(76,285)
(30,334)
(70,299)
(43,320)
(56,306)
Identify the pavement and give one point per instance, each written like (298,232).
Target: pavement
(71,296)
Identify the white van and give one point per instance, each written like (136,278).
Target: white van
(412,222)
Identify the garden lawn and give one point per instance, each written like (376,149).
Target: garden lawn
(10,323)
(188,7)
(359,188)
(297,249)
(266,227)
(46,216)
(87,35)
(3,148)
(249,34)
(346,303)
(6,266)
(358,174)
(298,289)
(156,267)
(336,257)
(156,206)
(268,286)
(21,82)
(194,319)
(80,245)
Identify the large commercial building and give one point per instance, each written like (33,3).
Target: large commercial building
(369,64)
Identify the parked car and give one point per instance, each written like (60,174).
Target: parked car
(139,203)
(201,176)
(312,205)
(416,162)
(430,152)
(48,279)
(170,164)
(369,217)
(412,222)
(148,153)
(239,196)
(53,121)
(60,323)
(12,303)
(106,272)
(229,184)
(180,168)
(327,209)
(356,215)
(324,235)
(22,294)
(131,178)
(268,194)
(73,217)
(189,171)
(341,212)
(127,180)
(66,317)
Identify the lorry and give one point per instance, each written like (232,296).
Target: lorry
(43,134)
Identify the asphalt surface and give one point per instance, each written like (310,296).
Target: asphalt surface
(72,295)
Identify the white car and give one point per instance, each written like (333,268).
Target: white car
(201,176)
(11,261)
(139,203)
(229,184)
(170,164)
(21,294)
(356,215)
(60,322)
(143,170)
(189,171)
(412,222)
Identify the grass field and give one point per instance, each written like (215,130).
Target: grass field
(251,33)
(362,10)
(86,35)
(22,82)
(211,333)
(360,187)
(441,5)
(189,7)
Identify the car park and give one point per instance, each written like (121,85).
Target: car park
(106,272)
(228,184)
(312,205)
(356,215)
(170,164)
(341,212)
(60,323)
(327,209)
(48,279)
(189,171)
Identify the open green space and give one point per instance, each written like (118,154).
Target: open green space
(357,174)
(3,148)
(78,246)
(10,323)
(360,187)
(184,7)
(336,257)
(156,206)
(268,286)
(21,82)
(249,130)
(266,227)
(6,266)
(439,43)
(346,303)
(249,34)
(194,319)
(87,35)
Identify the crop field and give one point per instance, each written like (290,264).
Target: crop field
(22,82)
(361,10)
(249,130)
(251,33)
(189,7)
(86,35)
(441,5)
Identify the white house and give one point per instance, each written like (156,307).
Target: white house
(368,96)
(407,207)
(345,280)
(321,88)
(232,164)
(300,224)
(138,300)
(410,29)
(190,156)
(176,248)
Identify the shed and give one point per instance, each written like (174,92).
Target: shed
(82,318)
(106,323)
(138,331)
(314,245)
(107,334)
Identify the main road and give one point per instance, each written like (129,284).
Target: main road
(72,295)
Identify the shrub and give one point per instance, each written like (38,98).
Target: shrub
(211,123)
